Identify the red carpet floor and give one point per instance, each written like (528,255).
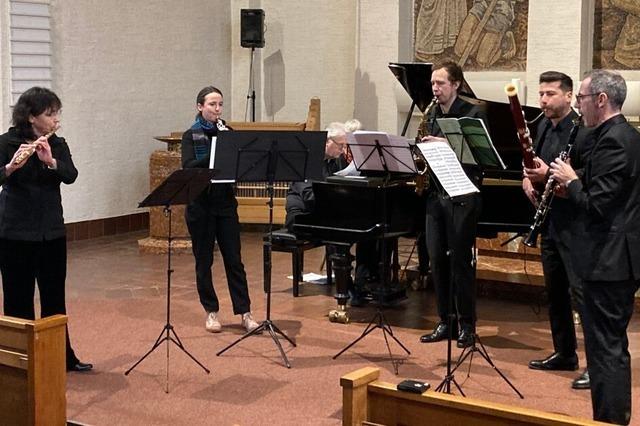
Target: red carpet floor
(117,307)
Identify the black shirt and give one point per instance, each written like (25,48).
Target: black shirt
(551,142)
(459,108)
(30,201)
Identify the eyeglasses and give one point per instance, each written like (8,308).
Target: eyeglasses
(579,97)
(342,145)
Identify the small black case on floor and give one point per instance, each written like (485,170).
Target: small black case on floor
(413,386)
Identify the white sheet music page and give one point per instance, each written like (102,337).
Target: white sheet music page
(395,150)
(364,152)
(444,164)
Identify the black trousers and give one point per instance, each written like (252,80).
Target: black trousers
(564,289)
(608,306)
(25,263)
(207,224)
(451,229)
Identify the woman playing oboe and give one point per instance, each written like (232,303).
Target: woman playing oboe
(213,217)
(33,244)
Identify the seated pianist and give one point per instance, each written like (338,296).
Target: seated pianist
(300,197)
(300,200)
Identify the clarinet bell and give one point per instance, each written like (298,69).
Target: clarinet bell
(532,237)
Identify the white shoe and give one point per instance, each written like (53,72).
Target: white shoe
(212,325)
(248,322)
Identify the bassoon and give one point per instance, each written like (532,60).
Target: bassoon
(524,136)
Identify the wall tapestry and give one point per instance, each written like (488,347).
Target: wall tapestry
(477,34)
(616,38)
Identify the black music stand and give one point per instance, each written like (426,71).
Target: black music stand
(377,152)
(483,158)
(181,187)
(269,156)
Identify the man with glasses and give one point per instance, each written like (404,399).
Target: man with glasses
(562,284)
(300,197)
(301,200)
(606,239)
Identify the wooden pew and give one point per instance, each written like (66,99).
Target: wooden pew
(33,371)
(368,401)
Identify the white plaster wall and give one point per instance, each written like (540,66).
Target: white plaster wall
(378,44)
(559,41)
(4,65)
(127,71)
(309,51)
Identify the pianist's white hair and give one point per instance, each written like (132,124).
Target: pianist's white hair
(335,130)
(352,125)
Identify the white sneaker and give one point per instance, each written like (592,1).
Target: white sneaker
(212,325)
(248,322)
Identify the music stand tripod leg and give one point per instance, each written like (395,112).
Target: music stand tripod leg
(278,331)
(379,320)
(179,344)
(469,351)
(483,352)
(445,385)
(267,324)
(386,328)
(161,338)
(274,337)
(168,328)
(368,329)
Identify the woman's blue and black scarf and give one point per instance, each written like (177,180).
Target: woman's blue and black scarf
(201,123)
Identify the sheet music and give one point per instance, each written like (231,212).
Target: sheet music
(452,131)
(395,149)
(444,164)
(364,156)
(350,170)
(471,141)
(479,139)
(212,161)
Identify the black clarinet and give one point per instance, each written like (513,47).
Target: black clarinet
(549,190)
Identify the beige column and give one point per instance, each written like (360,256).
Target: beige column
(560,38)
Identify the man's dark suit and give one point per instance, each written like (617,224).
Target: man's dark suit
(563,286)
(606,255)
(451,228)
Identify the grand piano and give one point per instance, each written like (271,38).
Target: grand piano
(348,212)
(497,185)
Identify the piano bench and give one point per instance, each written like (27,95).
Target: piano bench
(285,241)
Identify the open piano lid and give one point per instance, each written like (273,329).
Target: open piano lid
(505,207)
(415,78)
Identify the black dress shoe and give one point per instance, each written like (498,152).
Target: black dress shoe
(439,333)
(466,338)
(79,366)
(582,381)
(556,361)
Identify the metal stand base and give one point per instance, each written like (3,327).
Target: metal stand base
(165,336)
(379,321)
(266,325)
(468,353)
